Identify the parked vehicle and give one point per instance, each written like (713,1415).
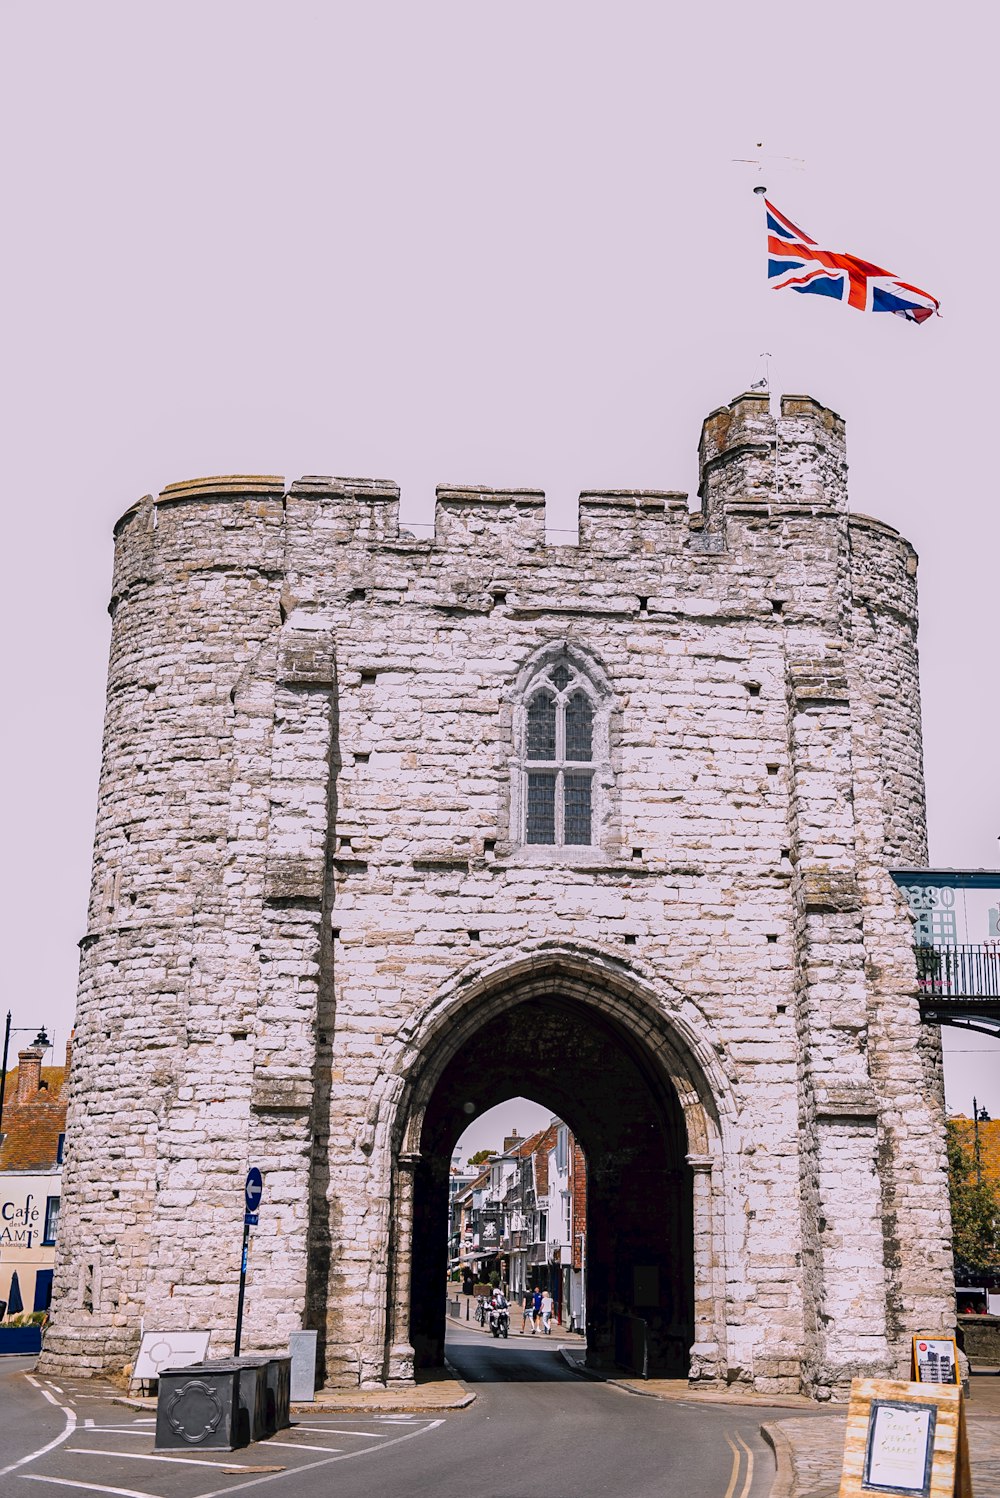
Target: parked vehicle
(481,1309)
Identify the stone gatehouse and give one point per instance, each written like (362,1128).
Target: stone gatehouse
(393,828)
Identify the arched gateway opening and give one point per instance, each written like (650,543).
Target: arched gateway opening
(553,1039)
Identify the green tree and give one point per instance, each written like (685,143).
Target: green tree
(975,1207)
(480,1156)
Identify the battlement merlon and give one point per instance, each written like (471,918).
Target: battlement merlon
(747,457)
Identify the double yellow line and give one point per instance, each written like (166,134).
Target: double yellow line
(739,1448)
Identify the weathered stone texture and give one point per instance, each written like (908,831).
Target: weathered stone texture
(308,877)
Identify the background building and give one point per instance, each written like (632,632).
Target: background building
(31,1155)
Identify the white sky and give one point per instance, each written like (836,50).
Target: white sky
(519,1115)
(447,242)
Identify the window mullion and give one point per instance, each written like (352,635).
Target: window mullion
(560,810)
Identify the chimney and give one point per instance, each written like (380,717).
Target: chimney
(29,1073)
(69,1052)
(511,1142)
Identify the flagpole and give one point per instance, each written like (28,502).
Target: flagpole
(760,191)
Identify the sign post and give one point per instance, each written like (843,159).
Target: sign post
(253,1191)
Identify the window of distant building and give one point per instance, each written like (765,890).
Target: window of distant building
(51,1221)
(562,792)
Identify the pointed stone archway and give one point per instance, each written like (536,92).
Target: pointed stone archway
(585,1035)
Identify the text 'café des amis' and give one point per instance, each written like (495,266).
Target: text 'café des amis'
(393,828)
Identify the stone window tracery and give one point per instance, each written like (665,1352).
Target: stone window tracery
(563,768)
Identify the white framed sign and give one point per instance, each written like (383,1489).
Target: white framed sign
(161,1350)
(900,1448)
(935,1360)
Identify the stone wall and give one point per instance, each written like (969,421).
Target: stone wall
(310,880)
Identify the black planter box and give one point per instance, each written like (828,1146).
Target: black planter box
(200,1407)
(224,1403)
(279,1391)
(251,1374)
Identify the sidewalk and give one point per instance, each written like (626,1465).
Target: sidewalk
(679,1388)
(433,1391)
(436,1392)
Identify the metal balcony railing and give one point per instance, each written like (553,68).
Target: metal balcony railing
(959,972)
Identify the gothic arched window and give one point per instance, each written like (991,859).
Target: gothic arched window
(564,757)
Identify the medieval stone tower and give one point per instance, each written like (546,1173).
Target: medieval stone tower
(391,829)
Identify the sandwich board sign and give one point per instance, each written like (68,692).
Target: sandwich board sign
(935,1361)
(905,1440)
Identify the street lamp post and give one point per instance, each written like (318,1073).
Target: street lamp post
(41,1039)
(979,1115)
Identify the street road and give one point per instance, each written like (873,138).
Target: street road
(536,1430)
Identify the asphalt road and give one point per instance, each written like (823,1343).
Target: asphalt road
(536,1430)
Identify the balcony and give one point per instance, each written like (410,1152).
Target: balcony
(960,985)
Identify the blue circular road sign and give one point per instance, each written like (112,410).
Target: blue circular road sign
(254,1188)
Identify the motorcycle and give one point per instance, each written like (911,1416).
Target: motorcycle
(499,1321)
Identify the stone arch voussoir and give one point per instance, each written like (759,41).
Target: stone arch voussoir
(660,1019)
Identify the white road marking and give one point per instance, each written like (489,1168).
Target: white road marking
(300,1445)
(328,1430)
(120,1430)
(88,1487)
(32,1456)
(139,1456)
(343,1456)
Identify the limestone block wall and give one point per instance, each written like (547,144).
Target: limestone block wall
(310,870)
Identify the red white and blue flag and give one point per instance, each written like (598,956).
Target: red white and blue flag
(796,262)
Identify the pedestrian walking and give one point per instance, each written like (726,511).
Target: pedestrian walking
(536,1309)
(547,1307)
(527,1311)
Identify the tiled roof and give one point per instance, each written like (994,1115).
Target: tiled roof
(31,1130)
(546,1141)
(527,1146)
(989,1143)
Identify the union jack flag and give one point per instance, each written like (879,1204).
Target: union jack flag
(797,262)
